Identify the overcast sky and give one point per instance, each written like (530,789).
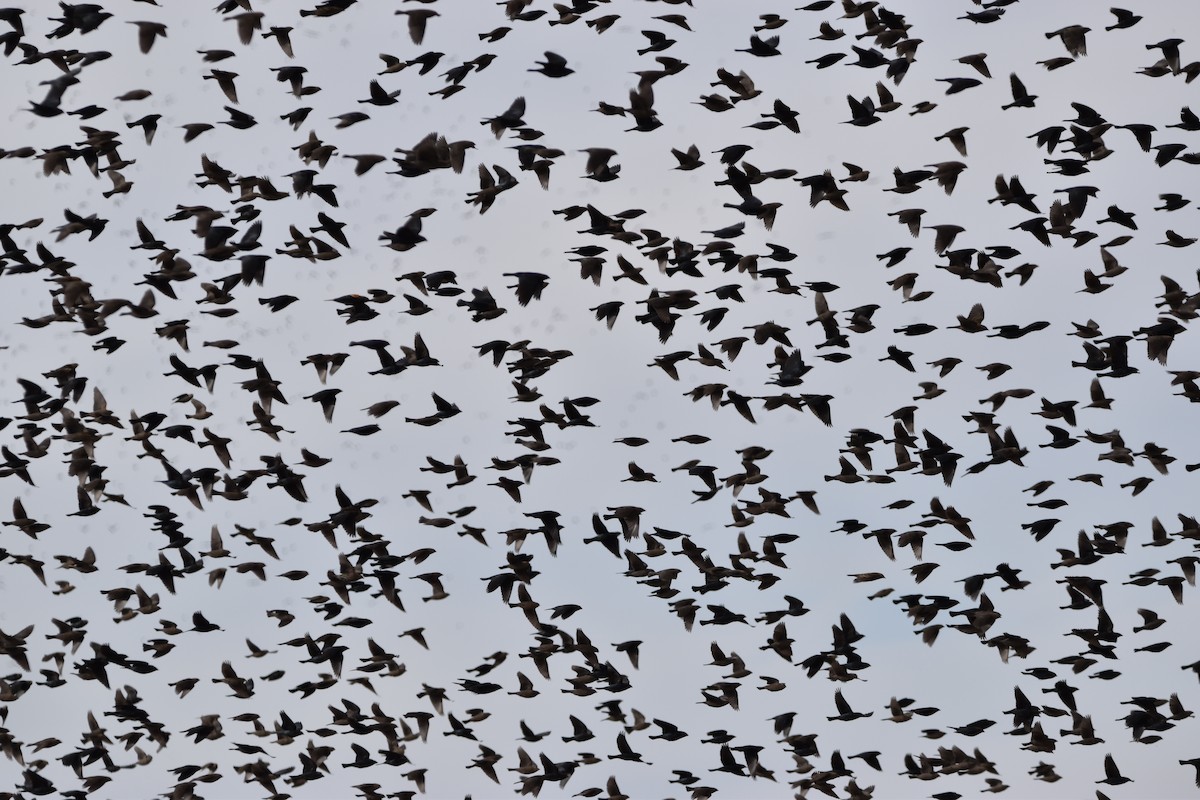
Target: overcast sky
(958,675)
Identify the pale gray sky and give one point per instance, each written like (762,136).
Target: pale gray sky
(965,680)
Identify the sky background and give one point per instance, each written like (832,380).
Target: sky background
(963,679)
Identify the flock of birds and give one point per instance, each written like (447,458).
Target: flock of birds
(713,543)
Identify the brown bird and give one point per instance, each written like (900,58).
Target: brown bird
(417,20)
(148,32)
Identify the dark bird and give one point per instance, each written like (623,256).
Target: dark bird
(1020,97)
(417,21)
(380,96)
(1073,38)
(555,66)
(512,118)
(1125,19)
(1112,775)
(148,32)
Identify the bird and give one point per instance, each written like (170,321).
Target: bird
(555,66)
(511,118)
(1112,775)
(418,19)
(148,32)
(380,96)
(1021,98)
